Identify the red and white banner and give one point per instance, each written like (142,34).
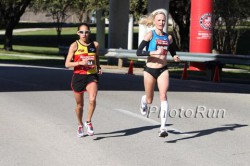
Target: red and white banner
(200,29)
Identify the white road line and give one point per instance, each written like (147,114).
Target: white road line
(32,66)
(154,122)
(33,56)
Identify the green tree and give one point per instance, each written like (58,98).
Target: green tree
(98,4)
(102,5)
(11,12)
(79,7)
(138,8)
(228,17)
(57,9)
(1,21)
(180,12)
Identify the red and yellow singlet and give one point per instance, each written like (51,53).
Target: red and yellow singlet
(85,52)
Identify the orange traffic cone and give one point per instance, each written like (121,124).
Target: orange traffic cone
(184,73)
(130,69)
(216,74)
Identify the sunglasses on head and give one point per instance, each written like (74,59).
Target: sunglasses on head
(83,32)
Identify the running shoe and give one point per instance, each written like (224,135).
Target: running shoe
(163,133)
(89,127)
(80,131)
(143,107)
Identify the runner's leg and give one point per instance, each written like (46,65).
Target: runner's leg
(79,107)
(149,84)
(92,89)
(163,84)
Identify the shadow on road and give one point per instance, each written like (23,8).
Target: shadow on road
(31,78)
(127,132)
(202,133)
(16,78)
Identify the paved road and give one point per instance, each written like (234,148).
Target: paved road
(38,125)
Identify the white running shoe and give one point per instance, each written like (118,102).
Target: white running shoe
(143,107)
(80,131)
(163,133)
(89,127)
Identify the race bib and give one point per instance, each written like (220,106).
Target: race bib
(162,44)
(90,60)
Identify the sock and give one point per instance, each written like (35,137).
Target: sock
(164,113)
(144,99)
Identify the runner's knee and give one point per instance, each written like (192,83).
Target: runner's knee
(163,97)
(79,106)
(92,99)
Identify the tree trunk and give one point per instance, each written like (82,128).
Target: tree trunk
(11,13)
(59,32)
(8,39)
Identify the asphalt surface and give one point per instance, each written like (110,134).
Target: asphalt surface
(208,122)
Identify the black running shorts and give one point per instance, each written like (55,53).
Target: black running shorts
(79,82)
(155,72)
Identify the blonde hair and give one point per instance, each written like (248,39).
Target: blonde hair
(148,20)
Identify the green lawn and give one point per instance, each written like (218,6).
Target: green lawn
(32,50)
(44,43)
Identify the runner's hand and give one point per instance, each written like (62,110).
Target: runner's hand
(176,58)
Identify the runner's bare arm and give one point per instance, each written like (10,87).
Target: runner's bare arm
(68,62)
